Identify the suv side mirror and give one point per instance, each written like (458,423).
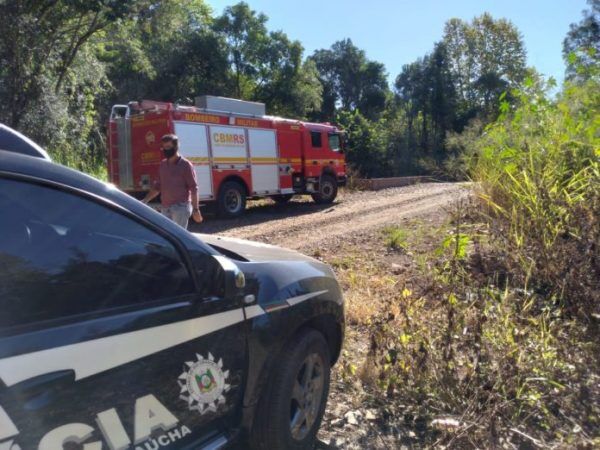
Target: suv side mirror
(235,280)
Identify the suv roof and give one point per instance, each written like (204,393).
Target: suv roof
(13,141)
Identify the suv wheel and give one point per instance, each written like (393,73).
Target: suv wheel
(232,199)
(327,190)
(290,412)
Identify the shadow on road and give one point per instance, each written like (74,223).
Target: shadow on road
(256,213)
(323,446)
(320,445)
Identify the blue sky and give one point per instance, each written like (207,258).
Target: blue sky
(397,32)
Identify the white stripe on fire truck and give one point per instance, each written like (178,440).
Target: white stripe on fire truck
(204,159)
(98,355)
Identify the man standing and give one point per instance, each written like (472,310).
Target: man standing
(176,184)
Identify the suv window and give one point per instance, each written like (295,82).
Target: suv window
(315,137)
(61,254)
(334,142)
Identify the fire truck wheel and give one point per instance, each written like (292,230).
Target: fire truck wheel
(282,199)
(327,190)
(232,199)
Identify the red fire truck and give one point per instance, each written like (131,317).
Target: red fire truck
(237,150)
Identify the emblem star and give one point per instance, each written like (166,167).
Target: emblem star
(203,383)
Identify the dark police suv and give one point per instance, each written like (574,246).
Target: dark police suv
(121,330)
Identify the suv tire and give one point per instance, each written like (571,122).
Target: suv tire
(327,190)
(232,199)
(289,414)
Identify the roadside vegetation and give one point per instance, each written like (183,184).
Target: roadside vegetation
(487,335)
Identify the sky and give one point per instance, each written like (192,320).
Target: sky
(397,32)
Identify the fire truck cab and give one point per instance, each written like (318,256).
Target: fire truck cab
(238,151)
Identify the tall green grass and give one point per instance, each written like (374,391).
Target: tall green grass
(502,332)
(538,171)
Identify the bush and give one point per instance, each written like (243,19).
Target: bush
(508,347)
(539,175)
(477,362)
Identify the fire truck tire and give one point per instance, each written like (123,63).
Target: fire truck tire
(232,199)
(290,411)
(327,190)
(282,199)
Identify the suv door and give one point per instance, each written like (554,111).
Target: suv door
(110,336)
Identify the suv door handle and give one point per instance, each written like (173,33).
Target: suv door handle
(38,391)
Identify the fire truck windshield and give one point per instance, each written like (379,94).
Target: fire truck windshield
(334,142)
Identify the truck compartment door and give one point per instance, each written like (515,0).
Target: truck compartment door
(265,161)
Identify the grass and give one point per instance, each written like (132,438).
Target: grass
(365,287)
(396,238)
(502,335)
(470,345)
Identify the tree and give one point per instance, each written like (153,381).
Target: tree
(366,143)
(581,46)
(246,35)
(463,78)
(167,53)
(267,66)
(425,91)
(285,83)
(40,42)
(350,80)
(486,57)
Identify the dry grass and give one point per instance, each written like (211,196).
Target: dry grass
(366,289)
(438,337)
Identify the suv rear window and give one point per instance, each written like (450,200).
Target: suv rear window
(61,255)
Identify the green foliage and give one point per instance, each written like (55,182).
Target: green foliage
(510,338)
(396,238)
(351,81)
(50,78)
(538,169)
(459,82)
(581,47)
(478,348)
(267,66)
(456,244)
(486,58)
(366,149)
(63,64)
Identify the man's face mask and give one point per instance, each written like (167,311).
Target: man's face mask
(168,152)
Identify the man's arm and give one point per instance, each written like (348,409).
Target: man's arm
(196,214)
(151,195)
(192,185)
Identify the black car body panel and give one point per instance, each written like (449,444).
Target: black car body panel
(276,275)
(13,141)
(141,374)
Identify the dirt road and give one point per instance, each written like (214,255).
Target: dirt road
(303,225)
(338,231)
